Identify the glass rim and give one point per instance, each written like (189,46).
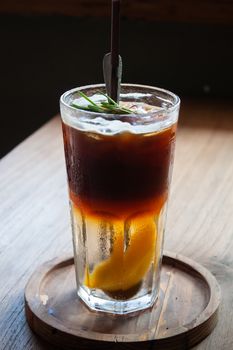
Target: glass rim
(169,109)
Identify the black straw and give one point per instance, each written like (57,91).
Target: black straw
(115,43)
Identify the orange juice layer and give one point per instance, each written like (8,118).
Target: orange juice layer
(132,255)
(125,268)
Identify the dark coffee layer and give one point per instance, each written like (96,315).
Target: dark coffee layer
(118,168)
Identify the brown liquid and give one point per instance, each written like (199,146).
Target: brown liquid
(120,173)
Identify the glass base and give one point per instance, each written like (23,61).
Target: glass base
(119,307)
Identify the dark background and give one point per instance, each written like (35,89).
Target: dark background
(42,55)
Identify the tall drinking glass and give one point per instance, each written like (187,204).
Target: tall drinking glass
(119,171)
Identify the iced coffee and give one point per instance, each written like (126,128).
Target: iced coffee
(119,172)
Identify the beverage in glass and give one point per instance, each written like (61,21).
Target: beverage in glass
(119,171)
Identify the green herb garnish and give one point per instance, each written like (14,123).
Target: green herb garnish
(108,106)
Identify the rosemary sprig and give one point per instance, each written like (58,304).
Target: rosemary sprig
(109,106)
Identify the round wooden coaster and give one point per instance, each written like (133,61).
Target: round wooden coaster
(186,311)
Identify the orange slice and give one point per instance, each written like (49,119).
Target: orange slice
(126,266)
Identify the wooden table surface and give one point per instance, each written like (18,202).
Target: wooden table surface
(34,219)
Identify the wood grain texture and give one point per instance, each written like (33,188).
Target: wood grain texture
(34,218)
(208,11)
(185,313)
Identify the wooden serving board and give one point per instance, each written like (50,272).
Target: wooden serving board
(186,311)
